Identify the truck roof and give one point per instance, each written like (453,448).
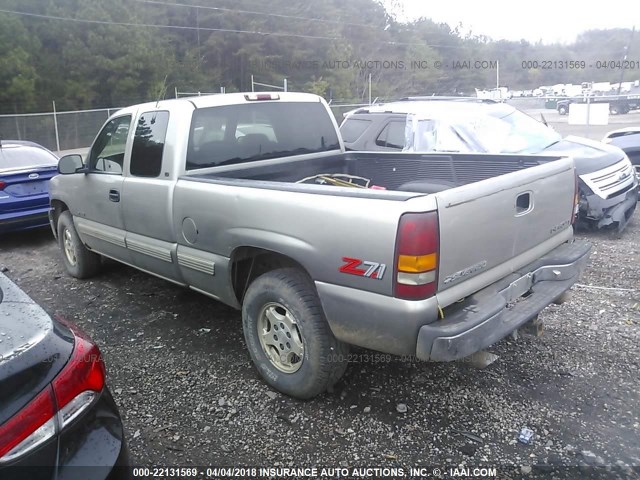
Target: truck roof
(215,100)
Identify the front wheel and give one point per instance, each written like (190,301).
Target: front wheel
(78,260)
(288,337)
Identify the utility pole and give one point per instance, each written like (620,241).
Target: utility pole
(198,28)
(55,125)
(626,53)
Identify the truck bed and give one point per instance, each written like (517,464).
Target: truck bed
(391,170)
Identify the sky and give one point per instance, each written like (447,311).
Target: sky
(546,20)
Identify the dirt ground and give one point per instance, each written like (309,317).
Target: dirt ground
(189,395)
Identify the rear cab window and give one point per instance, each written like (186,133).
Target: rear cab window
(253,131)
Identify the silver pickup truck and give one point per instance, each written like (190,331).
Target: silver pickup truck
(251,199)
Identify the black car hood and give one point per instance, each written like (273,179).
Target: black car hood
(589,155)
(33,348)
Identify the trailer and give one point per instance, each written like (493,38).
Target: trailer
(618,104)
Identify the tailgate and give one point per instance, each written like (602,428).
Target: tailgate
(490,228)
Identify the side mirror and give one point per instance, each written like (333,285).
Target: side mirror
(70,164)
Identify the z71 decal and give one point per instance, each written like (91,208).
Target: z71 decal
(353,266)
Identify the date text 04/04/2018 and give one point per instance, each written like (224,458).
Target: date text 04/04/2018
(580,64)
(309,472)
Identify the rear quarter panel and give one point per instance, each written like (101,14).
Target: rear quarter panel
(315,230)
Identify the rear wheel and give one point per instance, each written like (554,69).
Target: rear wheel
(562,110)
(288,337)
(78,260)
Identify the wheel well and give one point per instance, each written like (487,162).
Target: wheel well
(248,263)
(58,208)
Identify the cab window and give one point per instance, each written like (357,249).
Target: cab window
(107,153)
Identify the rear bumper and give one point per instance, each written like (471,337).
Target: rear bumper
(402,327)
(92,448)
(23,220)
(95,447)
(496,311)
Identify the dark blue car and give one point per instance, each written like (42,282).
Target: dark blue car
(25,171)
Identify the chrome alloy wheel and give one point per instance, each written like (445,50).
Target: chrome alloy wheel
(280,337)
(69,248)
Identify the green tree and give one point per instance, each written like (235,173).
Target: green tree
(18,75)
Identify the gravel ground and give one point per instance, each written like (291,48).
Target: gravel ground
(189,395)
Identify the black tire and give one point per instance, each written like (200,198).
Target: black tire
(290,292)
(562,110)
(87,263)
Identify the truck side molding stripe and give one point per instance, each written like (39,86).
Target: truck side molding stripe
(196,262)
(96,231)
(150,250)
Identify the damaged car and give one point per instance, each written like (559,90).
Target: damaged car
(608,188)
(628,139)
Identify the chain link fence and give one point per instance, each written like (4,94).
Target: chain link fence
(61,131)
(56,131)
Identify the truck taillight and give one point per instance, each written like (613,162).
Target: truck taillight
(416,269)
(2,184)
(576,200)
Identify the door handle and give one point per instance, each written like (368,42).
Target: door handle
(114,195)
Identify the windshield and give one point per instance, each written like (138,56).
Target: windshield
(525,134)
(490,133)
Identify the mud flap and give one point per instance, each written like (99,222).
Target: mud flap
(533,327)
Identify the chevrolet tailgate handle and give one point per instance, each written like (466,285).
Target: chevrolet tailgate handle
(524,203)
(114,195)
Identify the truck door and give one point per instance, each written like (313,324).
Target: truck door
(148,198)
(99,218)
